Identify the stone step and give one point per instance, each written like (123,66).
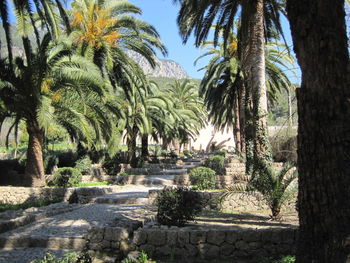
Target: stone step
(48,242)
(91,178)
(122,201)
(147,180)
(25,255)
(174,172)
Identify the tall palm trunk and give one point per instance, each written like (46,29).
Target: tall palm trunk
(131,142)
(320,42)
(253,58)
(34,171)
(237,125)
(241,109)
(144,146)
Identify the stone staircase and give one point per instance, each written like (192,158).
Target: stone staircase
(158,174)
(66,229)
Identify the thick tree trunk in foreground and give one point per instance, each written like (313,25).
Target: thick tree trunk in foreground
(241,109)
(34,171)
(319,36)
(253,57)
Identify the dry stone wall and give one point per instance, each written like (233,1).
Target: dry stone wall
(19,195)
(187,243)
(240,201)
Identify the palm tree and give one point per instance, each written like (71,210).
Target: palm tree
(189,112)
(223,81)
(141,112)
(104,28)
(259,19)
(26,12)
(323,130)
(35,90)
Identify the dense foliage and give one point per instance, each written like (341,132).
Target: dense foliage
(66,177)
(216,163)
(177,206)
(203,178)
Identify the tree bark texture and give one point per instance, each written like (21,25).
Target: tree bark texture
(241,105)
(131,141)
(254,70)
(34,171)
(320,43)
(144,146)
(237,126)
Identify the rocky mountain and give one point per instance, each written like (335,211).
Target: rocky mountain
(165,68)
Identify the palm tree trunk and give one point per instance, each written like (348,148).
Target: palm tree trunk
(249,132)
(144,146)
(320,42)
(131,142)
(237,126)
(241,109)
(34,171)
(254,71)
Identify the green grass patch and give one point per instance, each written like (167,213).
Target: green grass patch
(93,184)
(6,207)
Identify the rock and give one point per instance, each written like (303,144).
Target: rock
(183,237)
(191,250)
(227,249)
(171,238)
(163,251)
(198,236)
(242,245)
(156,237)
(116,234)
(231,237)
(140,237)
(216,237)
(208,251)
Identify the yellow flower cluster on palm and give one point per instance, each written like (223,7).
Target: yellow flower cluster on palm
(96,26)
(232,48)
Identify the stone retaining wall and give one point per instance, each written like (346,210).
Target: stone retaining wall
(237,202)
(187,243)
(19,195)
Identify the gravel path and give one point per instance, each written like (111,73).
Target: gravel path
(25,255)
(65,227)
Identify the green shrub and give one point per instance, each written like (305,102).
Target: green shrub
(123,174)
(50,161)
(142,258)
(176,206)
(67,258)
(216,163)
(222,152)
(284,146)
(276,186)
(203,178)
(84,165)
(66,177)
(66,158)
(187,153)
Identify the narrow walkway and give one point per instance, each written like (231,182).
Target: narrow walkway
(66,232)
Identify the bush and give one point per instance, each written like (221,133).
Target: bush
(203,178)
(187,153)
(276,186)
(67,258)
(176,206)
(284,146)
(84,165)
(50,161)
(216,163)
(66,177)
(66,158)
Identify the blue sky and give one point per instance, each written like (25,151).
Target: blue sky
(162,15)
